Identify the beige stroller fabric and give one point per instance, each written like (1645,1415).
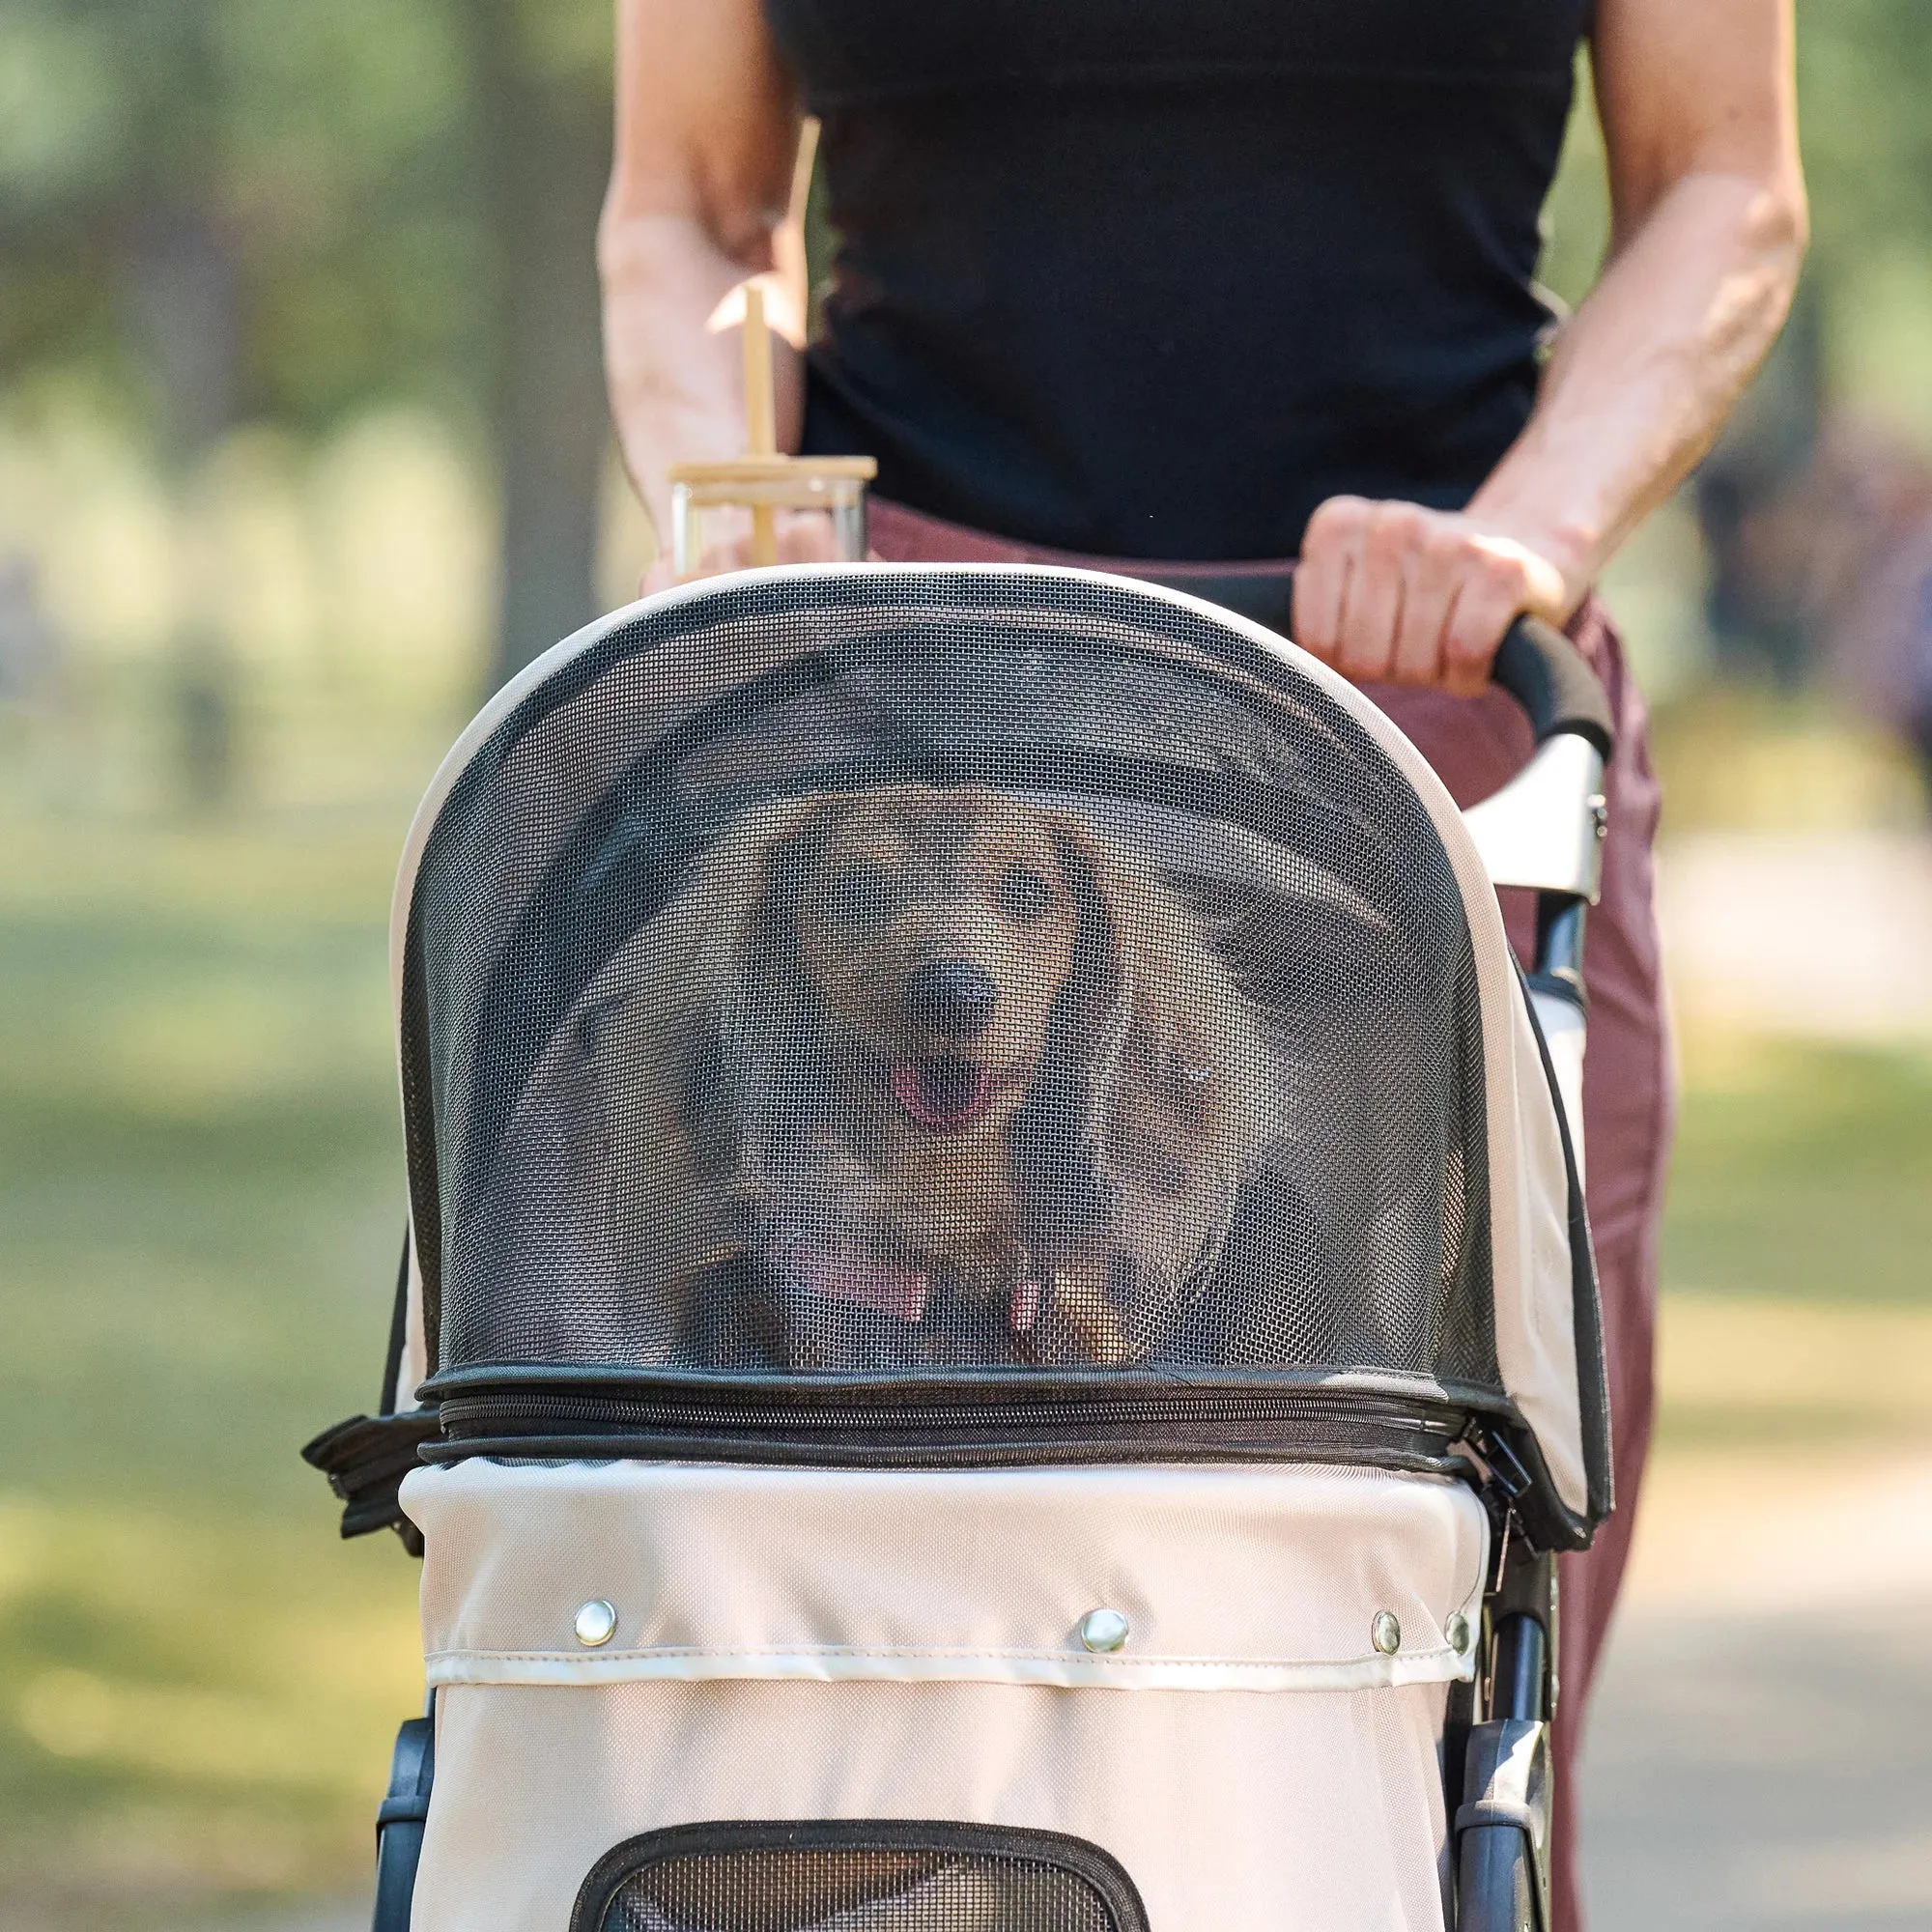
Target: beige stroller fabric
(1262,1751)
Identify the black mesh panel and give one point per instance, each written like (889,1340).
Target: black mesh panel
(919,975)
(857,1878)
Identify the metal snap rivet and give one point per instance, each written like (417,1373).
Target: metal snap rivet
(1103,1631)
(1385,1633)
(596,1623)
(1457,1631)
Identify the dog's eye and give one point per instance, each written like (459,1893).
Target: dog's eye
(864,895)
(1024,894)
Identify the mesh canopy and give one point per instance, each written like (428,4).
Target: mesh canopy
(877,1878)
(918,975)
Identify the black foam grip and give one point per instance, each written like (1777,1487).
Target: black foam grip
(1536,663)
(1552,679)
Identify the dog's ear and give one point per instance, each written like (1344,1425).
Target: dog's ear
(1094,997)
(792,843)
(1060,1136)
(1169,1110)
(1143,971)
(735,939)
(1164,984)
(745,891)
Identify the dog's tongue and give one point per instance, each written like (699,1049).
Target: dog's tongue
(943,1093)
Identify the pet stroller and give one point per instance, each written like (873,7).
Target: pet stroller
(998,1291)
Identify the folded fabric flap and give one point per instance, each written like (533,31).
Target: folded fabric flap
(1200,1578)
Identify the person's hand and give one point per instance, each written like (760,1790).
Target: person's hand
(1391,592)
(803,536)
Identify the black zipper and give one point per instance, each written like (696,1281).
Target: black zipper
(979,1427)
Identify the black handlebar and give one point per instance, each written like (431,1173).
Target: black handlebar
(1536,663)
(1552,679)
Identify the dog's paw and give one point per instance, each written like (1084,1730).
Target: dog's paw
(1079,1322)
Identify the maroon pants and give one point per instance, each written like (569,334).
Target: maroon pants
(1475,745)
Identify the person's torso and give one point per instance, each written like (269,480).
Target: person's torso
(1152,278)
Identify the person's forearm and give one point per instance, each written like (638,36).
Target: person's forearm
(1640,381)
(706,190)
(676,383)
(1646,371)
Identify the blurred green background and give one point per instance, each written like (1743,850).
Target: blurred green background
(302,445)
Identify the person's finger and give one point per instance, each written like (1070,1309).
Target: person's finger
(1430,585)
(1372,609)
(1328,550)
(806,536)
(1501,583)
(1489,600)
(723,553)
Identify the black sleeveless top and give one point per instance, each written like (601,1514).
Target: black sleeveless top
(1154,277)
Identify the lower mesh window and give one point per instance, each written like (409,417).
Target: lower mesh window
(857,1877)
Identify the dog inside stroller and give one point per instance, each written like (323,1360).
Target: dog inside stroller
(998,1332)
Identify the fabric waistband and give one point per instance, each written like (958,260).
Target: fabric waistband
(901,535)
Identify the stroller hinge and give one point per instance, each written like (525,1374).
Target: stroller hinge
(1508,1479)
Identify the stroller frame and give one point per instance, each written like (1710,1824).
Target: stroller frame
(1543,832)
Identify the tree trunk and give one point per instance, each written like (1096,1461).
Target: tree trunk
(545,150)
(182,292)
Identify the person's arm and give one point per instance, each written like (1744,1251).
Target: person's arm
(702,199)
(1700,118)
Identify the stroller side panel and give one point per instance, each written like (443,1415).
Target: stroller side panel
(1538,1346)
(1262,1747)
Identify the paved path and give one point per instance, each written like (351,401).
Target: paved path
(1762,1773)
(1761,1751)
(1821,933)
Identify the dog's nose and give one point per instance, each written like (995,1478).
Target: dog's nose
(953,997)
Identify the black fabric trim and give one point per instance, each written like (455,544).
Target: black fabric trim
(365,1460)
(1099,1870)
(778,1392)
(1063,1452)
(399,1332)
(985,1427)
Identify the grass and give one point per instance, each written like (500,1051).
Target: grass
(1797,1247)
(1803,1172)
(200,1202)
(199,1198)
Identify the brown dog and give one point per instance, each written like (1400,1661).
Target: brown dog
(919,1075)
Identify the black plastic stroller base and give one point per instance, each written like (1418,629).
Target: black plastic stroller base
(399,1823)
(1501,1825)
